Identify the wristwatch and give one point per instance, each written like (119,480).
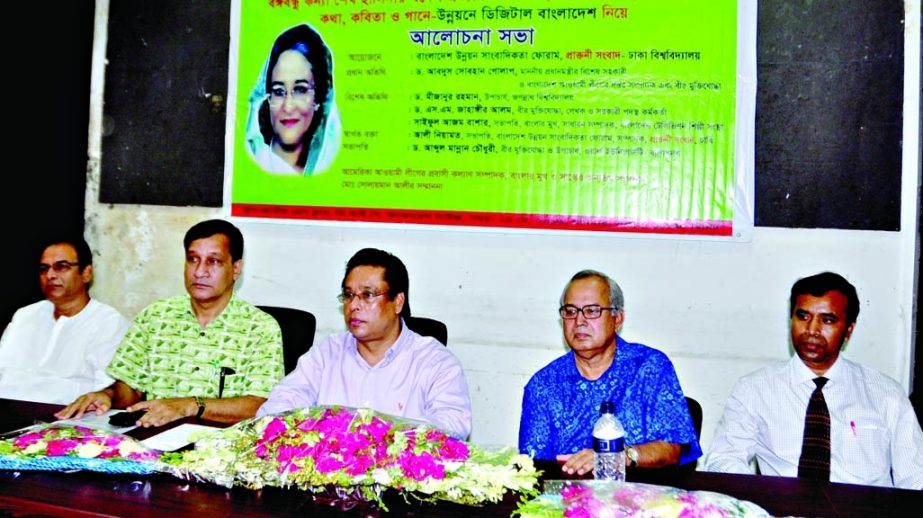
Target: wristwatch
(199,400)
(632,454)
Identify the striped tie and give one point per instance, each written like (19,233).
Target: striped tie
(815,450)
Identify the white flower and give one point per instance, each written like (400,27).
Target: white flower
(89,450)
(381,477)
(128,447)
(35,447)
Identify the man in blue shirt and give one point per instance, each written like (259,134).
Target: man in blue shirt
(561,401)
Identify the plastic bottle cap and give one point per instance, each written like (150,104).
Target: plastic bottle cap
(607,407)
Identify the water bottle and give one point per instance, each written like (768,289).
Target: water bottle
(609,445)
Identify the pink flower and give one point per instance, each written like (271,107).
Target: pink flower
(453,449)
(88,439)
(411,439)
(275,428)
(27,439)
(142,456)
(359,465)
(284,457)
(631,496)
(580,502)
(354,442)
(288,453)
(79,441)
(419,467)
(291,468)
(436,436)
(380,453)
(376,429)
(306,425)
(106,454)
(336,445)
(328,464)
(58,447)
(696,509)
(574,492)
(261,451)
(334,422)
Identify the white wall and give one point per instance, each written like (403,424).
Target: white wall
(719,310)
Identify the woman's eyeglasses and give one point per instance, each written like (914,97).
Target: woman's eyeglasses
(300,94)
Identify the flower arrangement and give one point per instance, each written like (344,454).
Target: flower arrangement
(357,450)
(57,447)
(605,499)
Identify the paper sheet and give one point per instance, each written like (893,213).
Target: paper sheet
(101,422)
(174,438)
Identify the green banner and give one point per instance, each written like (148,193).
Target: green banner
(528,114)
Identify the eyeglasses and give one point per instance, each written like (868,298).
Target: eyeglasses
(58,267)
(570,311)
(364,296)
(302,94)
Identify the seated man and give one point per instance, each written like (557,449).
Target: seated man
(178,352)
(56,349)
(380,363)
(818,415)
(561,401)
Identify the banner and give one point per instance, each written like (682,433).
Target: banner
(566,115)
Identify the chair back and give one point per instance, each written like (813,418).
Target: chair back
(429,327)
(297,332)
(695,410)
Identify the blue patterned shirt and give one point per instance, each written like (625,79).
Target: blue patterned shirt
(560,406)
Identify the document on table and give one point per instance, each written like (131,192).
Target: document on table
(175,438)
(98,422)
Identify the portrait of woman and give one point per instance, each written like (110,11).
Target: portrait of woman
(294,127)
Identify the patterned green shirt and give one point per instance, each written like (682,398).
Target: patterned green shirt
(166,353)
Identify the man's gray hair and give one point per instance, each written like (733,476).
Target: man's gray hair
(616,298)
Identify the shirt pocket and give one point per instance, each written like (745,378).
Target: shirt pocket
(865,449)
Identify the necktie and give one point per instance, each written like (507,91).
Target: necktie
(815,449)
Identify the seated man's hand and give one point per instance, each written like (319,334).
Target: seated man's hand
(100,401)
(579,463)
(163,411)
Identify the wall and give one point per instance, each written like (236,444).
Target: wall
(49,199)
(719,310)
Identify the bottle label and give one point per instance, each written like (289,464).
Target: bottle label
(608,445)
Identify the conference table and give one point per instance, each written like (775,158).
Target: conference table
(32,493)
